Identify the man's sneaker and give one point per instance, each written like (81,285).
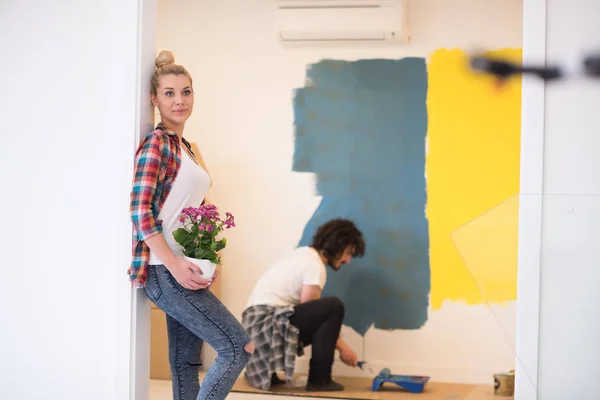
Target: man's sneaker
(275,381)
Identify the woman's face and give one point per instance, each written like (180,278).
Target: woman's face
(174,99)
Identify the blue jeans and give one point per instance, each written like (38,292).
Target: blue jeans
(194,316)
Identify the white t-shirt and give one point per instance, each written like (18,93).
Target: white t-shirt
(281,284)
(188,190)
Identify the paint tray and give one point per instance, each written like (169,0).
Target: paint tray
(412,383)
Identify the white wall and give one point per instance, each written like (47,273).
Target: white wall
(569,317)
(140,304)
(68,105)
(243,124)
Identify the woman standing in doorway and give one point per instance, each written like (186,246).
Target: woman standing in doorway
(167,179)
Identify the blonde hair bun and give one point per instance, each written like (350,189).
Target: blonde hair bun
(165,57)
(165,65)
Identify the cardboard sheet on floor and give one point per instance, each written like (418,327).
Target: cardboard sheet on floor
(360,388)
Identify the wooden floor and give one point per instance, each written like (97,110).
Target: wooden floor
(161,390)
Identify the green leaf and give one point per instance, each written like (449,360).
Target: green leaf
(220,245)
(200,253)
(181,236)
(190,250)
(213,257)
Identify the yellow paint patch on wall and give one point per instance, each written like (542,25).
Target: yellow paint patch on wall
(472,166)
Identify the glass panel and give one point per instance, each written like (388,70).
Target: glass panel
(489,246)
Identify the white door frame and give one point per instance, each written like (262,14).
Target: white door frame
(140,305)
(530,202)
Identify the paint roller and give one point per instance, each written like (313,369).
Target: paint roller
(363,366)
(385,373)
(504,69)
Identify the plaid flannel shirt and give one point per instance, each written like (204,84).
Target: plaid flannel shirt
(157,163)
(276,344)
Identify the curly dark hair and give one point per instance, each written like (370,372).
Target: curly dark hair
(334,236)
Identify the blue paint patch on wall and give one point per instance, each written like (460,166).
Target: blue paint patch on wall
(361,128)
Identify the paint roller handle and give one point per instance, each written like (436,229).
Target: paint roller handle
(591,65)
(501,69)
(505,69)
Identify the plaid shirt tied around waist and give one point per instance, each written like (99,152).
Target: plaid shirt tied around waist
(276,344)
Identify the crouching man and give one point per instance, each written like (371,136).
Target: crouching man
(286,312)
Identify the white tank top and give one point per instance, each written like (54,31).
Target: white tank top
(188,190)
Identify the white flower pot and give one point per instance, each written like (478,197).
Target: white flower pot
(207,267)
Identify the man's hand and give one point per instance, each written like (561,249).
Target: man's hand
(347,356)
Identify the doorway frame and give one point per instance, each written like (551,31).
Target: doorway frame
(530,204)
(139,368)
(530,201)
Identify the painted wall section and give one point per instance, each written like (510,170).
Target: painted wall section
(361,127)
(472,167)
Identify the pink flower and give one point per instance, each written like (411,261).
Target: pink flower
(201,225)
(230,221)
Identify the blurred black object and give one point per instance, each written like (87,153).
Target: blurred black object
(504,69)
(591,65)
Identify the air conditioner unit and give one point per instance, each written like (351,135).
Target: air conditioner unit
(342,21)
